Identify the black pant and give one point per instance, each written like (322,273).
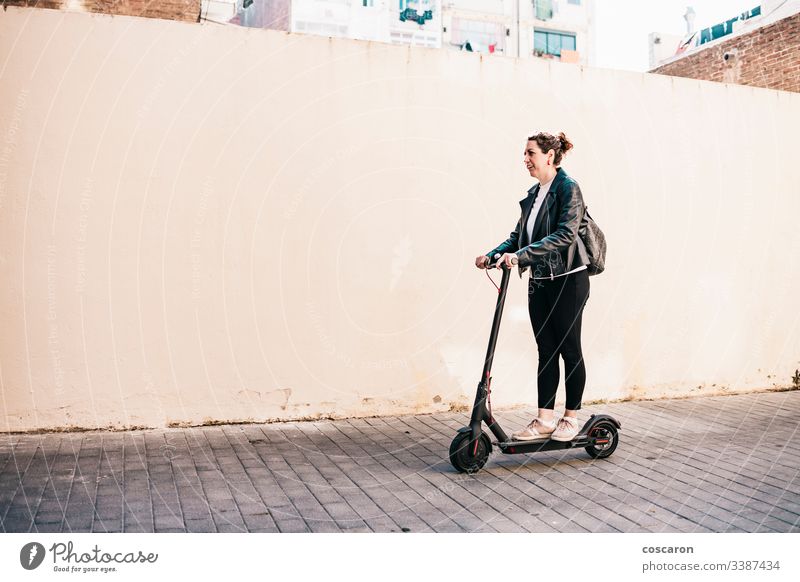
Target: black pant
(556,309)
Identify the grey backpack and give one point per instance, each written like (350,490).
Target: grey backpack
(595,242)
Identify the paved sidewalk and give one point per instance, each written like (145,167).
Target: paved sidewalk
(721,464)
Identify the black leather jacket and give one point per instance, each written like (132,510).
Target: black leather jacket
(556,248)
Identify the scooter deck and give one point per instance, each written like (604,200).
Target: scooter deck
(545,444)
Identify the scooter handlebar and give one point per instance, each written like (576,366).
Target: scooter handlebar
(493,261)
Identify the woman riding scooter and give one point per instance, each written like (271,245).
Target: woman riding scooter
(546,243)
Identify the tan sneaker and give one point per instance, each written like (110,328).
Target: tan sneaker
(537,429)
(566,430)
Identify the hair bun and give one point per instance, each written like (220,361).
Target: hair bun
(566,145)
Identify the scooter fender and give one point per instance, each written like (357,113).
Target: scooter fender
(595,418)
(475,433)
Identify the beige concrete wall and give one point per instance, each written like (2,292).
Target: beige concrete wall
(204,223)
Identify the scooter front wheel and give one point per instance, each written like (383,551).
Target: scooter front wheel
(460,456)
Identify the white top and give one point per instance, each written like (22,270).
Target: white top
(544,189)
(537,206)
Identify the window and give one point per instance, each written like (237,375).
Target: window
(483,37)
(368,3)
(551,43)
(421,5)
(543,9)
(576,2)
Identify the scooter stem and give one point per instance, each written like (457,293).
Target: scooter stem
(480,412)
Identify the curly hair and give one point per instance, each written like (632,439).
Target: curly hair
(547,141)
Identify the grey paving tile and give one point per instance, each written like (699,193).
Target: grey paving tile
(686,465)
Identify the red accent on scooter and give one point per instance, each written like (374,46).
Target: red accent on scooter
(489,399)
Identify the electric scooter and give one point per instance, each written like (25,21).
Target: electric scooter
(471,446)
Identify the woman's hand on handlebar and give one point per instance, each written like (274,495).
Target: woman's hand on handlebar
(507,260)
(482,262)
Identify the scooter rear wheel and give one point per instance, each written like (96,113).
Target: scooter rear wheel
(607,438)
(460,455)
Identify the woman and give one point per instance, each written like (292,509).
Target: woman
(546,244)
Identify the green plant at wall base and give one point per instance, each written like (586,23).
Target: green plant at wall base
(796,379)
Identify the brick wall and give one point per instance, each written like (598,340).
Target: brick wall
(767,57)
(186,10)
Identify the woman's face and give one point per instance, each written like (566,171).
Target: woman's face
(536,160)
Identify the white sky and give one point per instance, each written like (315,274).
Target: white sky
(623,25)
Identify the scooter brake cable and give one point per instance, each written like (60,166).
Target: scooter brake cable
(492,280)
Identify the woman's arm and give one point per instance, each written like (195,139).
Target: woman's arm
(510,245)
(570,201)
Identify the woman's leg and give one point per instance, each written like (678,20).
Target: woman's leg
(567,320)
(547,380)
(540,309)
(546,315)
